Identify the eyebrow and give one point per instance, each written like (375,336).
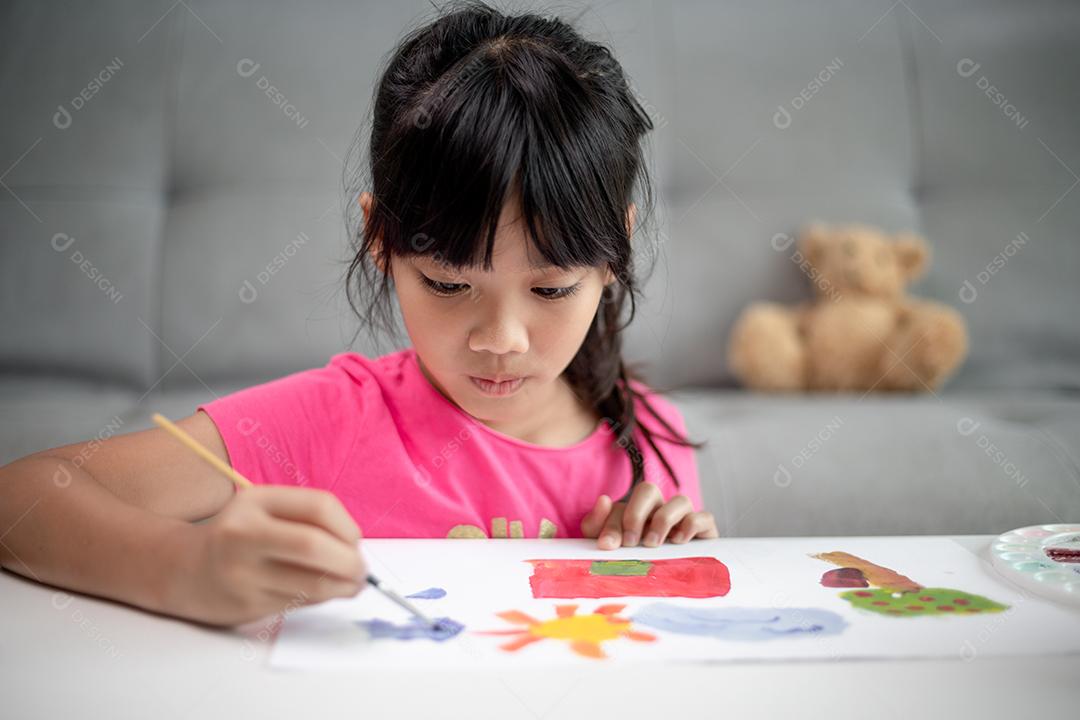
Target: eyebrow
(537,268)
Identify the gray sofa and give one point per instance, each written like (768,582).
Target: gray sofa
(171,204)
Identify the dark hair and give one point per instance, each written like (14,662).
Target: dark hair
(478,106)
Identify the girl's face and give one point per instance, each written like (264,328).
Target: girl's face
(495,343)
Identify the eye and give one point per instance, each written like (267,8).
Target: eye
(442,289)
(549,293)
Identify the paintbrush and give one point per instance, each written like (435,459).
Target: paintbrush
(393,596)
(242,482)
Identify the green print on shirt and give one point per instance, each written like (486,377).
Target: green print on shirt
(548,529)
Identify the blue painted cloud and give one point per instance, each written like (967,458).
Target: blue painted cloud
(740,623)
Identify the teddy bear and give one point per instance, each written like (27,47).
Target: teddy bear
(861,331)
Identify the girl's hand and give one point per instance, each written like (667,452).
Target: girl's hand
(623,524)
(269,549)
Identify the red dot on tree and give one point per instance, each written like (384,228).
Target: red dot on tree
(961,601)
(927,598)
(862,593)
(879,602)
(945,608)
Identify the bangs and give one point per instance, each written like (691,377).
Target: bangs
(511,121)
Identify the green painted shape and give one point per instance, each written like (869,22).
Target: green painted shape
(962,603)
(620,567)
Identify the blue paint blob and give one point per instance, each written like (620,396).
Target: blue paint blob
(752,624)
(432,593)
(444,629)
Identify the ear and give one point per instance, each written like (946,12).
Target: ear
(912,254)
(813,240)
(365,200)
(376,260)
(609,276)
(631,215)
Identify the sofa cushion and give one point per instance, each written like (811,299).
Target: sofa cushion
(885,465)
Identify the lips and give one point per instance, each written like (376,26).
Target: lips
(497,378)
(504,386)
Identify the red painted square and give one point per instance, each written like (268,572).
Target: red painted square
(691,577)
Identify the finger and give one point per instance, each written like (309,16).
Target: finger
(303,585)
(611,535)
(672,512)
(709,521)
(594,520)
(643,501)
(315,507)
(312,548)
(699,524)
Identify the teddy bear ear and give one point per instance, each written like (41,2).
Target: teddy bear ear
(912,254)
(812,240)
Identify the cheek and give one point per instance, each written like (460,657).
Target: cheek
(426,319)
(589,305)
(574,320)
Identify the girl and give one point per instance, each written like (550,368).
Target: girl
(504,155)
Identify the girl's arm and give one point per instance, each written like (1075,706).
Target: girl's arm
(112,518)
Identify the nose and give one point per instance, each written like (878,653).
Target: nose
(499,333)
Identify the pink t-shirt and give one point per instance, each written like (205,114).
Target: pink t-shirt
(407,462)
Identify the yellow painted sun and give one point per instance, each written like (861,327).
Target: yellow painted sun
(585,633)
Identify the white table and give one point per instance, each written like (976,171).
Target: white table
(67,655)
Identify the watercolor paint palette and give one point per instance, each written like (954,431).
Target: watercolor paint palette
(555,602)
(1044,559)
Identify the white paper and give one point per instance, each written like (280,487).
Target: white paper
(484,577)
